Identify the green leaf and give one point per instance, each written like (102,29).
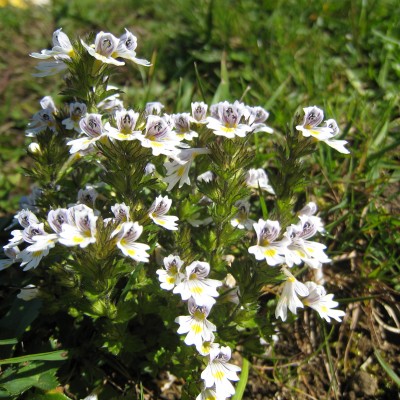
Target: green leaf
(222,92)
(388,369)
(20,316)
(6,342)
(34,374)
(50,356)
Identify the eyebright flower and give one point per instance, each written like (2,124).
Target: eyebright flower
(157,211)
(196,326)
(43,119)
(228,122)
(241,219)
(104,48)
(207,177)
(219,372)
(80,229)
(199,112)
(171,275)
(257,178)
(257,118)
(62,51)
(126,237)
(209,394)
(26,218)
(112,103)
(121,212)
(178,169)
(88,196)
(12,254)
(196,284)
(267,248)
(291,288)
(61,47)
(322,302)
(182,126)
(126,123)
(159,137)
(334,143)
(153,108)
(28,293)
(312,118)
(92,126)
(301,249)
(126,49)
(76,112)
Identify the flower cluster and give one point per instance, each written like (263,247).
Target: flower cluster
(202,158)
(194,286)
(106,48)
(294,248)
(78,226)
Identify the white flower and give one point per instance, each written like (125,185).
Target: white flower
(312,118)
(13,257)
(126,123)
(301,249)
(228,122)
(28,293)
(43,119)
(153,108)
(159,137)
(196,284)
(126,49)
(206,177)
(267,248)
(32,259)
(126,237)
(157,211)
(121,212)
(80,228)
(178,170)
(111,103)
(322,302)
(171,275)
(257,118)
(104,48)
(209,394)
(335,144)
(62,47)
(206,347)
(56,218)
(199,112)
(257,178)
(49,68)
(219,372)
(92,126)
(88,196)
(34,148)
(149,169)
(182,126)
(26,218)
(241,219)
(76,112)
(196,326)
(62,51)
(291,288)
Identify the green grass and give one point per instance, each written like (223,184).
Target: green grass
(343,56)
